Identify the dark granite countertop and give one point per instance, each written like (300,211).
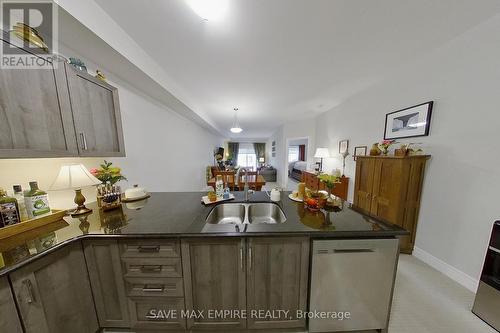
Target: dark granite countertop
(181,214)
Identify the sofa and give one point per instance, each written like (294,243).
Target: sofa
(269,173)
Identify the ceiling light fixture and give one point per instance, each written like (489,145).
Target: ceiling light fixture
(209,9)
(236,126)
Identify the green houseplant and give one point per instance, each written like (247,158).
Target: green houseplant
(330,181)
(108,173)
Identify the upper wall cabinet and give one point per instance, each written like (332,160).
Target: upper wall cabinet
(96,111)
(35,114)
(58,112)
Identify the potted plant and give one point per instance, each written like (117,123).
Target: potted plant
(330,181)
(108,173)
(385,145)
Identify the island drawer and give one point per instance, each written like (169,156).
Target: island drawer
(152,267)
(150,248)
(154,287)
(159,313)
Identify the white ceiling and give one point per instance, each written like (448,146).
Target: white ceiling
(281,60)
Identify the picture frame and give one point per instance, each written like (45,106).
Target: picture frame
(410,122)
(274,149)
(274,154)
(343,146)
(274,143)
(360,151)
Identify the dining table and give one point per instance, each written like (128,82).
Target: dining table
(254,182)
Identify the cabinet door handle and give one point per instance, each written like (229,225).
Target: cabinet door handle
(84,141)
(250,257)
(29,290)
(241,255)
(151,268)
(148,248)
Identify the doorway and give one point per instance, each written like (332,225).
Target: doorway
(297,156)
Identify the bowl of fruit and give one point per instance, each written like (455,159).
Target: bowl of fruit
(314,200)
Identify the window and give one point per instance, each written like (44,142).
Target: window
(293,154)
(247,160)
(246,156)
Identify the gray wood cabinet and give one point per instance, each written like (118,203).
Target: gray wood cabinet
(277,279)
(53,293)
(214,275)
(35,114)
(252,274)
(58,112)
(106,279)
(9,321)
(96,111)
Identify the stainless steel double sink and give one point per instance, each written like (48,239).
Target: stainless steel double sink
(246,213)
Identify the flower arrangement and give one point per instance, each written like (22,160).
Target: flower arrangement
(108,173)
(385,145)
(329,181)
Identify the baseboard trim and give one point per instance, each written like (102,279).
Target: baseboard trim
(456,275)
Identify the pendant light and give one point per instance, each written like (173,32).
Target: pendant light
(236,126)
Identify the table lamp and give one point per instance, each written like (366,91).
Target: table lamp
(321,153)
(261,160)
(75,177)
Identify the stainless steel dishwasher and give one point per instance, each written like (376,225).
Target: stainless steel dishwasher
(351,284)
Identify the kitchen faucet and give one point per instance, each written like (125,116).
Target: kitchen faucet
(247,191)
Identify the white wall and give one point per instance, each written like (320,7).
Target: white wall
(277,160)
(460,196)
(165,152)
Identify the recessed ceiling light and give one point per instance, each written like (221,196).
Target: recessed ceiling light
(209,9)
(236,126)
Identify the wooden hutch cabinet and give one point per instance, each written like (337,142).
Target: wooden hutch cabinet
(389,188)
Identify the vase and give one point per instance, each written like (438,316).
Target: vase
(375,150)
(330,201)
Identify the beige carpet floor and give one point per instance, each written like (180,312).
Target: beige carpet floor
(427,301)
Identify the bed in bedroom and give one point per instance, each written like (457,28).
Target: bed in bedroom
(295,169)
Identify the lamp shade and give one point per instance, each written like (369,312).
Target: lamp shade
(74,176)
(322,153)
(261,160)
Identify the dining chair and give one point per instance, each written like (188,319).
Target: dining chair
(227,176)
(252,183)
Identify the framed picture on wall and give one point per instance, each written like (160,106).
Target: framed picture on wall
(274,143)
(359,151)
(343,146)
(274,154)
(410,122)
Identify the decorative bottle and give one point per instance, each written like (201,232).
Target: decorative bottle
(9,211)
(219,187)
(18,194)
(37,201)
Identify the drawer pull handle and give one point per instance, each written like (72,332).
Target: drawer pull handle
(151,268)
(29,290)
(353,250)
(153,289)
(149,248)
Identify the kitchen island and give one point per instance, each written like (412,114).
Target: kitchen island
(156,265)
